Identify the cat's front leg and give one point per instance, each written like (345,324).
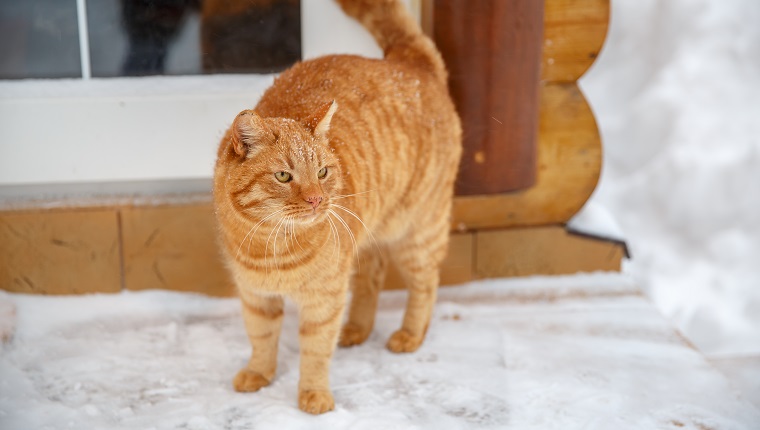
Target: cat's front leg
(263,320)
(318,334)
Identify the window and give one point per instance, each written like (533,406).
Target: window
(39,39)
(119,134)
(109,38)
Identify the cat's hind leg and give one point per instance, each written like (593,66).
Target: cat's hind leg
(366,283)
(418,259)
(263,321)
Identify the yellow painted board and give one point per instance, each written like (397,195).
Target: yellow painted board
(547,250)
(62,252)
(173,247)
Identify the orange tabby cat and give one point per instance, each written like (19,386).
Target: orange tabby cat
(345,162)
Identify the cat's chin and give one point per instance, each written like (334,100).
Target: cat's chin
(309,218)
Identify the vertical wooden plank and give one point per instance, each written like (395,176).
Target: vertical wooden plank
(492,49)
(66,252)
(173,248)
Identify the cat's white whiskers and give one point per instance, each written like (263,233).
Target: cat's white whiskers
(243,241)
(353,214)
(286,234)
(274,248)
(336,239)
(343,196)
(350,233)
(252,233)
(290,232)
(295,237)
(266,246)
(337,232)
(286,223)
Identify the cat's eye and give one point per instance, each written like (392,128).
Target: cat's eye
(322,173)
(283,176)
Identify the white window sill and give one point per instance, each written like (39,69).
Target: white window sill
(67,137)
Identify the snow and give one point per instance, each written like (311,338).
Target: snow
(128,88)
(676,93)
(596,220)
(585,351)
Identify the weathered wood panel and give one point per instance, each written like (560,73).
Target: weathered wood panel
(62,252)
(546,250)
(76,249)
(173,248)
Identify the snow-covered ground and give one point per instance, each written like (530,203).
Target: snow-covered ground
(545,353)
(676,92)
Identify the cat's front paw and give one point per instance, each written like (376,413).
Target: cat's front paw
(315,402)
(247,381)
(403,341)
(352,334)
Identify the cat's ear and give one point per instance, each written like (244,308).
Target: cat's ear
(319,123)
(248,131)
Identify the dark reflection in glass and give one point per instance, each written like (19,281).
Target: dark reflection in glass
(250,35)
(150,26)
(39,39)
(143,37)
(171,37)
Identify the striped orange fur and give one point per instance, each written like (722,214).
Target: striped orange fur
(345,163)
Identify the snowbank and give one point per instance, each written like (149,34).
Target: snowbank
(676,93)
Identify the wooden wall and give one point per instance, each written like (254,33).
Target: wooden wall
(90,249)
(107,247)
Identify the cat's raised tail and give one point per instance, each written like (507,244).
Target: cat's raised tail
(399,36)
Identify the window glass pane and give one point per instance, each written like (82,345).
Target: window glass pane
(179,37)
(143,37)
(39,39)
(250,35)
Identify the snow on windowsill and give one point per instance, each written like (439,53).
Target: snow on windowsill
(219,85)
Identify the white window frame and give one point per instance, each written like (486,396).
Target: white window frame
(74,136)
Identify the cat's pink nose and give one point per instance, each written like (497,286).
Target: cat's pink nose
(315,200)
